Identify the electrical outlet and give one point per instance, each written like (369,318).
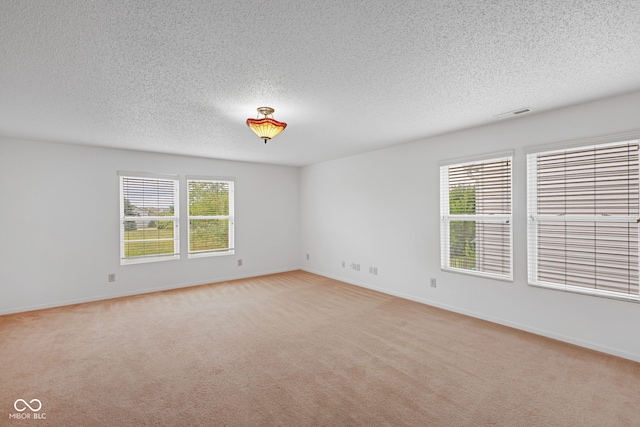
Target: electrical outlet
(111,277)
(433,282)
(240,262)
(307,257)
(373,270)
(355,266)
(344,264)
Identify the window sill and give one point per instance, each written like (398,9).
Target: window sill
(148,260)
(588,292)
(478,274)
(211,254)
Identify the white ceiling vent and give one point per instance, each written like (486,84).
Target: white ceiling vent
(513,113)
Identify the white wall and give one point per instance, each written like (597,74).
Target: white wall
(60,234)
(382,209)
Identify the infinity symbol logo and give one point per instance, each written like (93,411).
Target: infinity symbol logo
(26,405)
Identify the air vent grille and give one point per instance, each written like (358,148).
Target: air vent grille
(512,113)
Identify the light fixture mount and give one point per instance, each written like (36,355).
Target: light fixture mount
(266,128)
(266,111)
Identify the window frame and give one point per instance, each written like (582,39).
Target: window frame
(446,217)
(534,219)
(124,260)
(230,217)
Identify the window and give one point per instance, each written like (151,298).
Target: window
(210,217)
(148,218)
(475,211)
(583,219)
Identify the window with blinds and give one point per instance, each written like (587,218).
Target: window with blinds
(211,224)
(148,218)
(475,206)
(583,213)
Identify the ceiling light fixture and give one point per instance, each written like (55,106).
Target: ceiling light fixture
(266,128)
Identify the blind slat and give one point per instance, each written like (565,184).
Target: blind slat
(564,189)
(149,213)
(471,240)
(210,216)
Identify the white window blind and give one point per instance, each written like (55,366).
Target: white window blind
(211,221)
(475,206)
(148,218)
(583,212)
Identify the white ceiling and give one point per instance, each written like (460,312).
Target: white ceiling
(347,76)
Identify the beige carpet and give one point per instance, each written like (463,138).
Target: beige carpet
(297,349)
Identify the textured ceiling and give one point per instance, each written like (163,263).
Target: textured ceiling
(347,76)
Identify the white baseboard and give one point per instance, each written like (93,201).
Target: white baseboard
(549,334)
(137,292)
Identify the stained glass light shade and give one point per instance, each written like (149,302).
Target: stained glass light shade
(266,128)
